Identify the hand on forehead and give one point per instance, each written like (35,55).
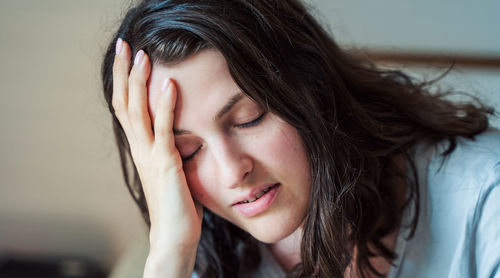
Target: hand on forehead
(198,79)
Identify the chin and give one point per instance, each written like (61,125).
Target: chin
(274,231)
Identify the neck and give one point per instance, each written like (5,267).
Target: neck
(287,250)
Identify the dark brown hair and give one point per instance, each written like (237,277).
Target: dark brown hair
(352,117)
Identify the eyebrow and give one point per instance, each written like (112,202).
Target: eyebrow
(224,110)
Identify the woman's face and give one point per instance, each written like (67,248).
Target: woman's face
(234,151)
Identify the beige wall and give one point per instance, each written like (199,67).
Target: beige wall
(61,190)
(60,185)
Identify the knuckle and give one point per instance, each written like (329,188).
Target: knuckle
(133,85)
(138,154)
(136,112)
(132,79)
(117,104)
(117,66)
(121,117)
(161,131)
(136,77)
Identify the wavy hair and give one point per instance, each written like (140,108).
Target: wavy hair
(353,118)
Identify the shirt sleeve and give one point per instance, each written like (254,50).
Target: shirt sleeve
(487,245)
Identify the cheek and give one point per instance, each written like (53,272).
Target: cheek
(201,188)
(283,148)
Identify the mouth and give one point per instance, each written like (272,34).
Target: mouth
(259,202)
(257,196)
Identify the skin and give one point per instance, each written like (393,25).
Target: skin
(175,217)
(229,156)
(234,159)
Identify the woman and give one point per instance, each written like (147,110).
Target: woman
(260,147)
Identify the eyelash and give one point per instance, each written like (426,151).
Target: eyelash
(244,125)
(252,123)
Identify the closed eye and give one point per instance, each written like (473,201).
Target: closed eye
(191,156)
(251,123)
(243,125)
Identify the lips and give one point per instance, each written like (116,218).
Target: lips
(256,197)
(256,193)
(259,200)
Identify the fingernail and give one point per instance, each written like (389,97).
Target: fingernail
(119,45)
(165,84)
(138,57)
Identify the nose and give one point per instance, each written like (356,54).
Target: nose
(233,163)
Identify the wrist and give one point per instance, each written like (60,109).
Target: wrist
(165,240)
(162,262)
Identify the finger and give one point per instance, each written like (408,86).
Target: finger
(137,103)
(121,67)
(164,121)
(120,75)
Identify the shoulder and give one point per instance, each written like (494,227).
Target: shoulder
(464,198)
(484,225)
(484,148)
(461,180)
(473,165)
(458,231)
(465,178)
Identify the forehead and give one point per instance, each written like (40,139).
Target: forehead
(203,84)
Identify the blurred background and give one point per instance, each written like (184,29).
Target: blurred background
(64,208)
